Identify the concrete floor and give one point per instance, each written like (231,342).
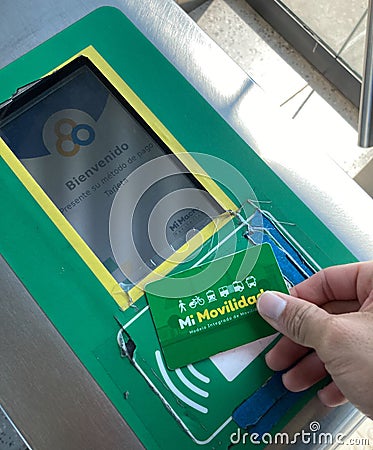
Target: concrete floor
(322,114)
(9,437)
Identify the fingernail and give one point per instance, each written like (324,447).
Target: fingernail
(271,305)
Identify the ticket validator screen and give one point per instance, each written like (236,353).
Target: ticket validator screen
(82,142)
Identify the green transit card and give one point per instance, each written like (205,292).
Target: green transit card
(212,308)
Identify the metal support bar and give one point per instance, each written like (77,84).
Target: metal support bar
(366,100)
(310,46)
(189,5)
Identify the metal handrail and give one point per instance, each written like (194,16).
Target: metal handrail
(366,99)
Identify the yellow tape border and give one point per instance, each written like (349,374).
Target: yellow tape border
(123,299)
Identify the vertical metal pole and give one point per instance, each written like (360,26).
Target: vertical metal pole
(366,98)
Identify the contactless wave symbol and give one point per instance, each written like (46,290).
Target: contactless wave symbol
(186,382)
(71,136)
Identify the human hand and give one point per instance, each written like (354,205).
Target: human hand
(327,324)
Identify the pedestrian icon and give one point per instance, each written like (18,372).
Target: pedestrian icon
(182,306)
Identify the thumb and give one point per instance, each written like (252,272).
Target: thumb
(301,321)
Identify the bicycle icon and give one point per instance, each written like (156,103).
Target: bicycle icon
(196,301)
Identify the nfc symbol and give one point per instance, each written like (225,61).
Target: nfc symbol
(71,136)
(184,398)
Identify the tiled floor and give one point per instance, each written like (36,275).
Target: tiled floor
(321,112)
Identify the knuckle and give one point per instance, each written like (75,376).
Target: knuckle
(333,331)
(332,334)
(297,323)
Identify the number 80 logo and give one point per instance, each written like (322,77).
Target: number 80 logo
(71,136)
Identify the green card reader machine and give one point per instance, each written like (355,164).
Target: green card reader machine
(116,173)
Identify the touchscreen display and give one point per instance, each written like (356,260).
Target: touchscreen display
(82,142)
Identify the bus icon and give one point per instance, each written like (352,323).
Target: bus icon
(238,286)
(250,281)
(224,291)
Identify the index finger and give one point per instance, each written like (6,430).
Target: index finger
(333,283)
